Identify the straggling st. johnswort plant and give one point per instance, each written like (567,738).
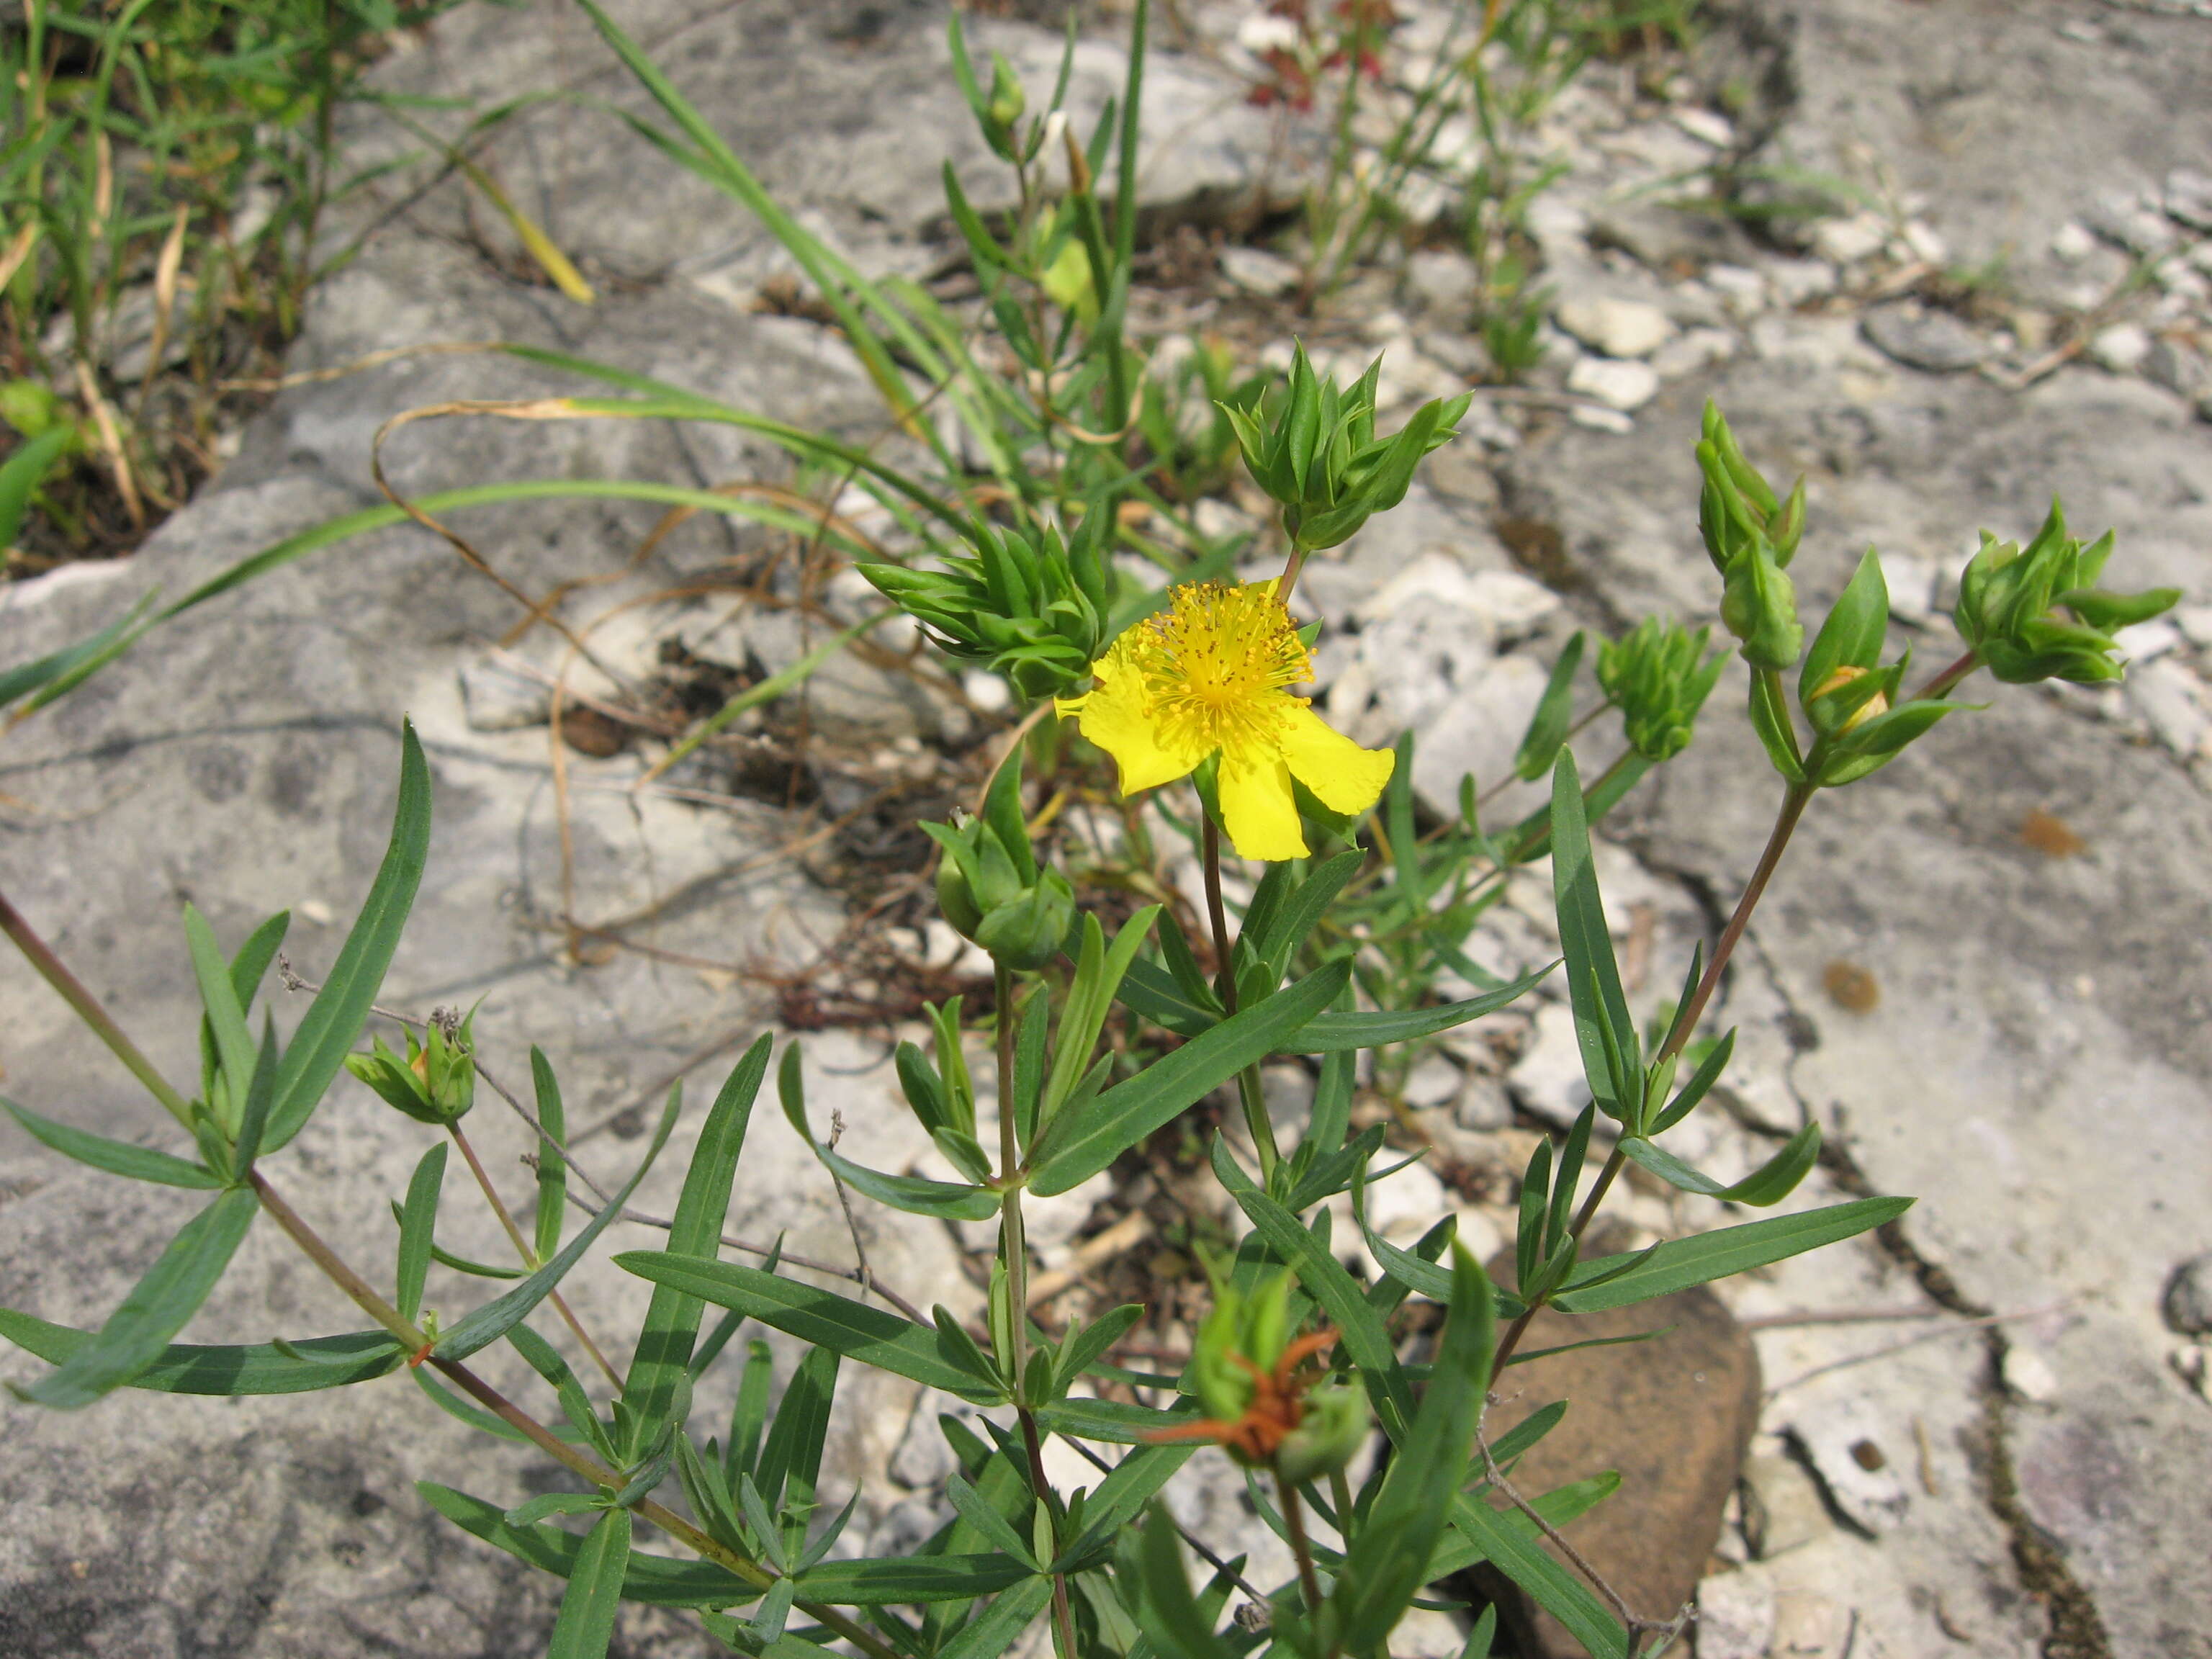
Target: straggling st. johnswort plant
(1299,1370)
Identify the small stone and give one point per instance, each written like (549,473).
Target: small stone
(2120,348)
(1707,126)
(1441,280)
(1601,420)
(990,693)
(1735,1615)
(1424,1633)
(2188,1300)
(1742,290)
(1912,583)
(1618,328)
(1782,1508)
(1434,1081)
(2146,641)
(1673,1414)
(2179,368)
(1692,350)
(2028,1374)
(1617,385)
(1847,241)
(495,697)
(2188,198)
(2129,222)
(2173,700)
(1483,1104)
(1923,243)
(1258,271)
(2073,242)
(1809,1625)
(1799,281)
(1923,337)
(2195,622)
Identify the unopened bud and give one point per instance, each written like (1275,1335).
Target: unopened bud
(1877,704)
(1329,1436)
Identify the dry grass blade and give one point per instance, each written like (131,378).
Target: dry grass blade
(111,444)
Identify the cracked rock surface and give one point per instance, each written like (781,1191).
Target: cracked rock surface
(2007,1019)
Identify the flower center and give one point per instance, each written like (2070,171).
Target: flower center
(1216,663)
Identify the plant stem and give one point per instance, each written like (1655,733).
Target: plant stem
(1294,1523)
(51,968)
(364,1296)
(1013,1250)
(529,1255)
(1248,1088)
(1944,683)
(1785,822)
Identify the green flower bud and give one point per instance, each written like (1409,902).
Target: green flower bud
(1007,99)
(1026,932)
(435,1084)
(1659,676)
(1023,605)
(2037,614)
(1329,1436)
(1758,605)
(1020,914)
(1320,459)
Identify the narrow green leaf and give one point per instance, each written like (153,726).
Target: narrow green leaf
(116,1156)
(1547,726)
(999,1626)
(314,1362)
(791,1456)
(416,1220)
(1513,1552)
(226,1020)
(318,1048)
(1387,1562)
(138,1331)
(660,1366)
(486,1325)
(251,965)
(1084,1143)
(860,1332)
(652,1579)
(995,1528)
(552,1167)
(1770,1184)
(1179,1628)
(915,1194)
(1679,1263)
(1699,1085)
(45,679)
(1109,1420)
(1604,1029)
(1337,1031)
(21,473)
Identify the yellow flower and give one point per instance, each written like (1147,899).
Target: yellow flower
(1212,675)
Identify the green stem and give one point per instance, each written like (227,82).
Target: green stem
(1294,1523)
(1785,822)
(1945,683)
(1248,1088)
(530,1256)
(50,969)
(364,1296)
(1013,1250)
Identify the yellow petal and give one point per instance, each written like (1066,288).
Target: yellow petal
(1113,715)
(1343,776)
(1257,807)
